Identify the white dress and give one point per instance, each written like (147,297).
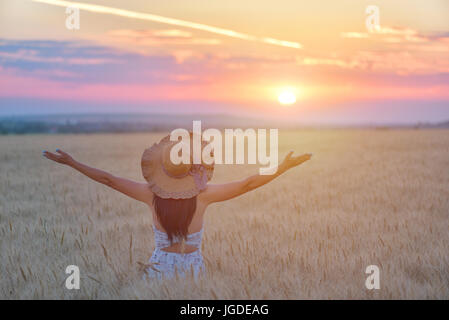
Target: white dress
(164,264)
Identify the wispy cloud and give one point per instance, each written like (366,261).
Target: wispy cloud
(394,62)
(32,56)
(398,50)
(154,38)
(309,61)
(396,35)
(354,35)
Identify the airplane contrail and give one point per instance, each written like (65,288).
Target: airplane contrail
(171,21)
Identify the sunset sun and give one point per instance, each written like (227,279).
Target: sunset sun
(287,97)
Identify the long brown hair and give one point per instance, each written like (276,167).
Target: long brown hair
(175,215)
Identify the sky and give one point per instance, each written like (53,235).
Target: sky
(237,57)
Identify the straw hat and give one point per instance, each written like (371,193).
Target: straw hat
(168,180)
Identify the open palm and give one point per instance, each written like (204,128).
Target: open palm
(60,156)
(291,161)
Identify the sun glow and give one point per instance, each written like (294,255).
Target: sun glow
(287,97)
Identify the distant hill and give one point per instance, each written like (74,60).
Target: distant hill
(441,125)
(119,123)
(116,123)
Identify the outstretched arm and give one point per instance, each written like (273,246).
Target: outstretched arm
(135,190)
(226,191)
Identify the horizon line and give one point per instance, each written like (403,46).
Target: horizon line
(221,114)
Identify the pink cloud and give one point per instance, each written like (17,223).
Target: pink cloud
(183,55)
(12,85)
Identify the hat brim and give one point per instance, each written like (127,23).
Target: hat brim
(163,185)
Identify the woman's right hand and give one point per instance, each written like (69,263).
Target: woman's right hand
(59,157)
(291,161)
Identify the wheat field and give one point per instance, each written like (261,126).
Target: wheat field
(367,197)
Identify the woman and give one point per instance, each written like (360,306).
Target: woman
(177,196)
